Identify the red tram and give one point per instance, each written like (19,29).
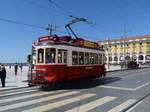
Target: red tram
(60,58)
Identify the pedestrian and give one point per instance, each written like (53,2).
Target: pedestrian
(9,66)
(16,68)
(21,67)
(2,75)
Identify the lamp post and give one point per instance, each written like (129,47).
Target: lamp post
(124,45)
(108,52)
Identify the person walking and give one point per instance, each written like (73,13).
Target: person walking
(16,69)
(2,75)
(21,67)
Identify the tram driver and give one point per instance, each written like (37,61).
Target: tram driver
(50,55)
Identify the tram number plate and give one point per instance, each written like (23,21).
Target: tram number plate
(88,67)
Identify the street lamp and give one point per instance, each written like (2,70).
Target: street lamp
(108,52)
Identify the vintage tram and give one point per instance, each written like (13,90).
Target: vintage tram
(57,59)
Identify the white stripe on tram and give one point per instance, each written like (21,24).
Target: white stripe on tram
(30,96)
(122,106)
(15,93)
(26,103)
(92,105)
(60,103)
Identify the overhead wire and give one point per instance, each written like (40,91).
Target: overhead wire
(43,7)
(110,10)
(70,14)
(65,12)
(20,23)
(92,24)
(34,26)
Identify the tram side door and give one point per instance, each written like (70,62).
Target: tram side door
(62,64)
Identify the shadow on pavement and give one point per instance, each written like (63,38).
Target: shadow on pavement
(83,84)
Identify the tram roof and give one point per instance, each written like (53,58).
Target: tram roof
(67,41)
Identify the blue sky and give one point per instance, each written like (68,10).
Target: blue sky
(109,18)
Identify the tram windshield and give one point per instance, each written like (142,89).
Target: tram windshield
(50,55)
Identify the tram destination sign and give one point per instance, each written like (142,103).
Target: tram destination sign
(91,44)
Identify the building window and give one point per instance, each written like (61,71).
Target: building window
(110,59)
(140,57)
(115,58)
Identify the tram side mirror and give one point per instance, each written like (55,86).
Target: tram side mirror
(29,58)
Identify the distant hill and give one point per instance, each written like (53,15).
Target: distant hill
(12,64)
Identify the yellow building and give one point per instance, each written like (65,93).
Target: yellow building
(130,48)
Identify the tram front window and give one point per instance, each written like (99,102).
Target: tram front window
(50,55)
(40,55)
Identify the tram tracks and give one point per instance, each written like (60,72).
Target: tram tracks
(129,108)
(132,73)
(126,73)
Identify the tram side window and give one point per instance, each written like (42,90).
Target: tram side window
(103,58)
(50,55)
(100,59)
(59,56)
(86,58)
(96,58)
(91,58)
(81,58)
(74,58)
(65,56)
(62,56)
(40,55)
